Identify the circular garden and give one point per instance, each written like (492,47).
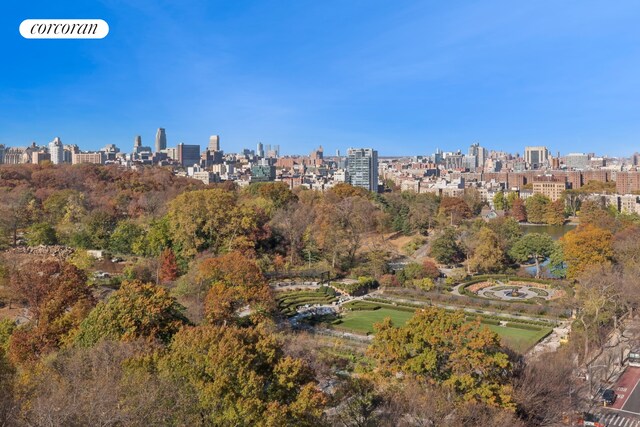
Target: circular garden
(511,290)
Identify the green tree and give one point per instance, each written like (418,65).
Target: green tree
(41,233)
(533,246)
(445,249)
(499,201)
(124,237)
(448,350)
(136,310)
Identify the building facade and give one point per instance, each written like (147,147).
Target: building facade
(161,140)
(362,168)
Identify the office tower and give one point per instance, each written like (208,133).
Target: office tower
(481,154)
(362,168)
(2,148)
(188,154)
(277,150)
(137,142)
(338,153)
(536,157)
(214,143)
(259,150)
(161,140)
(56,150)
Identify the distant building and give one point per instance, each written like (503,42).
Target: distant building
(188,154)
(95,157)
(206,177)
(259,150)
(161,140)
(40,156)
(551,187)
(536,157)
(214,143)
(2,150)
(480,153)
(362,168)
(56,151)
(577,161)
(137,142)
(263,173)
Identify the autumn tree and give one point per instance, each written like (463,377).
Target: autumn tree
(234,282)
(518,210)
(209,220)
(58,299)
(136,310)
(586,247)
(454,210)
(537,206)
(554,214)
(242,377)
(488,255)
(292,222)
(168,266)
(532,246)
(464,356)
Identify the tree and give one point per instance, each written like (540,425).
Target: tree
(234,282)
(533,246)
(41,233)
(58,299)
(124,237)
(136,310)
(586,247)
(507,230)
(518,210)
(168,266)
(537,206)
(499,201)
(209,220)
(488,256)
(292,222)
(555,213)
(463,356)
(242,377)
(454,210)
(445,249)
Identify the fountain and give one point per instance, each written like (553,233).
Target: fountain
(515,293)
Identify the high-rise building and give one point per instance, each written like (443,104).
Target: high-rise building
(188,154)
(161,140)
(577,161)
(137,142)
(536,157)
(2,148)
(56,150)
(214,143)
(260,150)
(362,168)
(480,153)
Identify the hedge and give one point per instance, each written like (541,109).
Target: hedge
(361,306)
(523,326)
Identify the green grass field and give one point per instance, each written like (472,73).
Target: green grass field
(517,339)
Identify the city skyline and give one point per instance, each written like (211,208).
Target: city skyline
(405,79)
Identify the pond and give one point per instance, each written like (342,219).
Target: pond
(555,231)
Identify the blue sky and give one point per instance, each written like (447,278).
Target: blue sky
(401,76)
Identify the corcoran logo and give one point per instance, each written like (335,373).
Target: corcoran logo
(64,29)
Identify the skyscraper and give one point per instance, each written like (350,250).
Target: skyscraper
(137,142)
(536,156)
(362,167)
(161,140)
(188,154)
(480,154)
(56,150)
(259,150)
(214,143)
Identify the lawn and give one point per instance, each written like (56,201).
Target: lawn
(362,321)
(519,340)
